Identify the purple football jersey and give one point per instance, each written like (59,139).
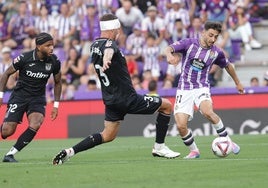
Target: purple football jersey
(197,62)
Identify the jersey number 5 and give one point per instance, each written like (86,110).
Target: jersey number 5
(104,77)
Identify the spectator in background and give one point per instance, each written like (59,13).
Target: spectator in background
(131,64)
(135,42)
(5,62)
(21,28)
(215,75)
(178,33)
(240,28)
(144,5)
(152,24)
(67,92)
(128,15)
(196,28)
(90,30)
(106,6)
(44,21)
(167,84)
(4,35)
(163,6)
(64,28)
(224,42)
(34,6)
(78,10)
(254,82)
(177,12)
(92,85)
(10,8)
(90,75)
(173,74)
(152,88)
(216,10)
(146,78)
(136,82)
(194,7)
(73,68)
(265,79)
(151,57)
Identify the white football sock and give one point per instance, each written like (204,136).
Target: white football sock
(70,152)
(12,151)
(158,146)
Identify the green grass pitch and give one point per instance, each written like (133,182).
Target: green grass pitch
(127,163)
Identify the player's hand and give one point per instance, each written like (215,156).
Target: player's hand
(173,59)
(1,101)
(106,65)
(240,88)
(54,114)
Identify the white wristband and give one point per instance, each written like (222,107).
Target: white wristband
(56,104)
(1,94)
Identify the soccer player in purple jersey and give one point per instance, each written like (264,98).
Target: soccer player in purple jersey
(198,56)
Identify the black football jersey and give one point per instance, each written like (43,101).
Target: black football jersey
(34,73)
(116,83)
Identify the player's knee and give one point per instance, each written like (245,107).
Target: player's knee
(166,106)
(6,132)
(108,138)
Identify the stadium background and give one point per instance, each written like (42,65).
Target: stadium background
(241,114)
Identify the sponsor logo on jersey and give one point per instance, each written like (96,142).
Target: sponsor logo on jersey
(36,74)
(48,66)
(32,64)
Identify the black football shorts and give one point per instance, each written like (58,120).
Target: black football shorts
(138,104)
(17,106)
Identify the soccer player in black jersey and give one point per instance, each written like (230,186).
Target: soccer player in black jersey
(35,68)
(119,96)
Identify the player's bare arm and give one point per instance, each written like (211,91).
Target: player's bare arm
(4,79)
(231,71)
(171,57)
(57,95)
(107,58)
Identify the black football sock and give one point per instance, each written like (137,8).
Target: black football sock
(222,132)
(25,138)
(89,142)
(162,122)
(188,139)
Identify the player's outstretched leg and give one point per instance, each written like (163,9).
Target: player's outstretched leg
(89,142)
(60,158)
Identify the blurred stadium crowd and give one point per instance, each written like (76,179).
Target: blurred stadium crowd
(147,28)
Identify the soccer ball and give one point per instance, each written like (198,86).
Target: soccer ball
(221,146)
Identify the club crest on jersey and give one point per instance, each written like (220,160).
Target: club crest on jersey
(17,59)
(48,66)
(212,55)
(108,43)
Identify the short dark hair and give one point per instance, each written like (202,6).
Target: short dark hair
(254,79)
(107,17)
(91,81)
(152,85)
(43,37)
(213,25)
